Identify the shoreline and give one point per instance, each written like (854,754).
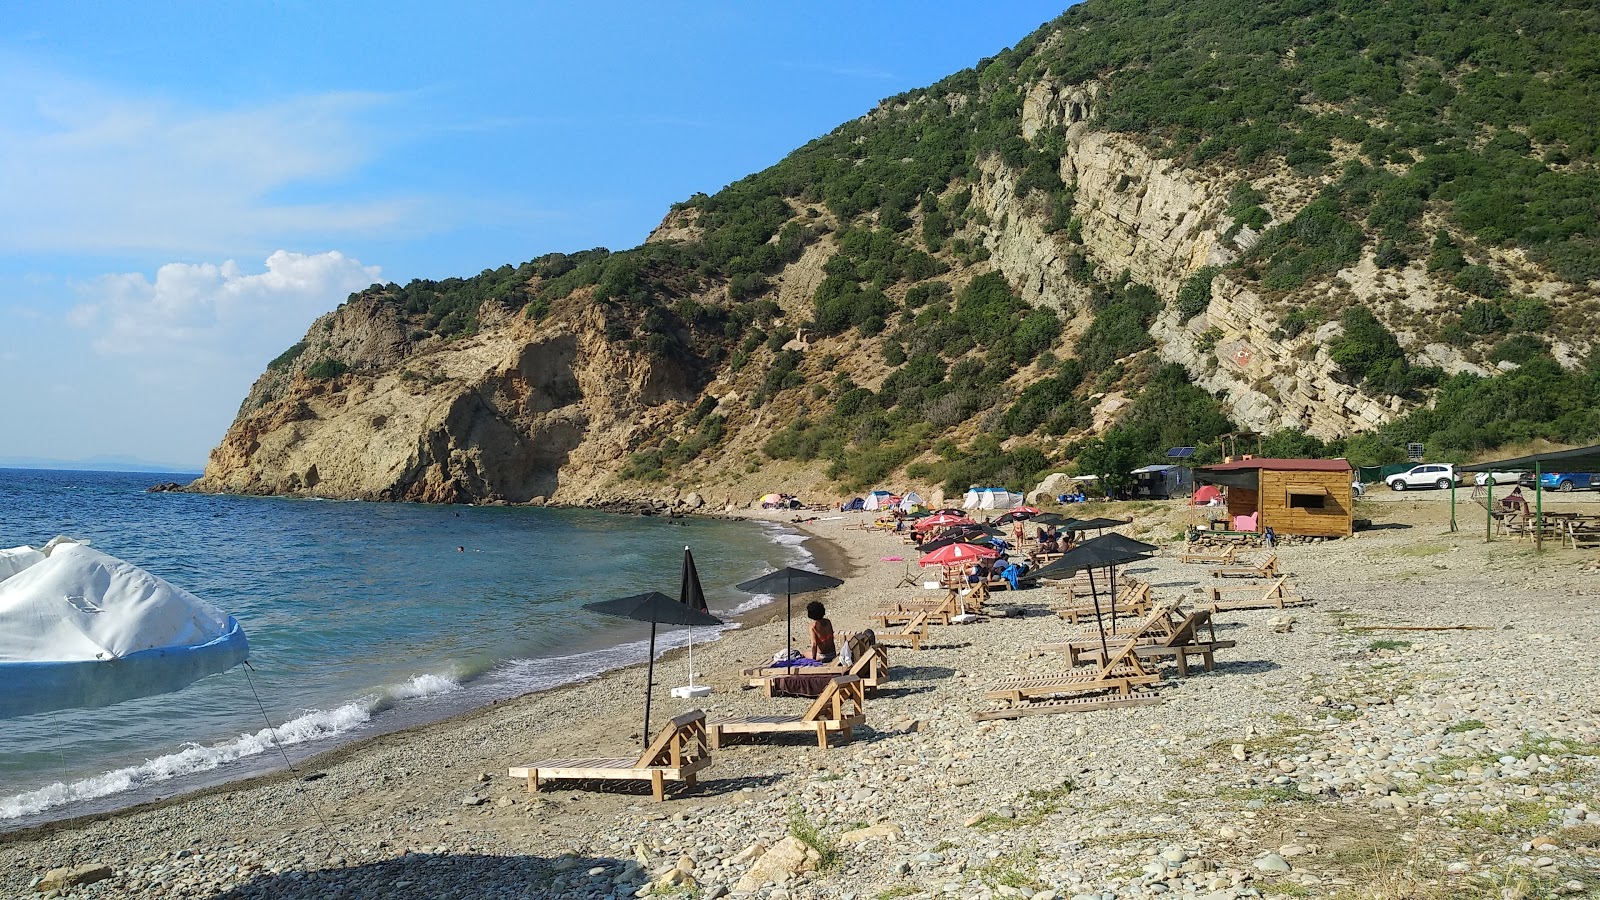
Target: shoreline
(1334,750)
(305,757)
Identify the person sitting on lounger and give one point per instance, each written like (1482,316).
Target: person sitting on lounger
(822,646)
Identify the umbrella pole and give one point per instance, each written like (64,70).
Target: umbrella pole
(1113,570)
(1100,625)
(691,656)
(788,622)
(649,682)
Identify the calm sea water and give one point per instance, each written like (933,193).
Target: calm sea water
(362,617)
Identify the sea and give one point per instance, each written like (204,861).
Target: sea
(362,618)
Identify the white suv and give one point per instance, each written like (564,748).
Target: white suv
(1439,475)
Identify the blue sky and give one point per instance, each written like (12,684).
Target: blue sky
(188,185)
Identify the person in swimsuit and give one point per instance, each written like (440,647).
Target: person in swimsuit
(822,647)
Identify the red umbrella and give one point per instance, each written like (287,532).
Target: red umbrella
(1206,494)
(956,554)
(942,521)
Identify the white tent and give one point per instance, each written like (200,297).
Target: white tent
(910,500)
(990,498)
(16,559)
(81,629)
(879,500)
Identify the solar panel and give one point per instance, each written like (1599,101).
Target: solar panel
(1180,453)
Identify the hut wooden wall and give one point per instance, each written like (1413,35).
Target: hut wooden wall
(1332,520)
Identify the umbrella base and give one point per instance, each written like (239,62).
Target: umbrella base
(689,691)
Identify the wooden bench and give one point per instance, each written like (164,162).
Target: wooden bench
(677,754)
(869,662)
(840,709)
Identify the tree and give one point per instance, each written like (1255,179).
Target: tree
(1111,457)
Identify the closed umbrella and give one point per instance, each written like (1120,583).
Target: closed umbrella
(655,608)
(791,581)
(692,595)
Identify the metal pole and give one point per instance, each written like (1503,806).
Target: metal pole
(1538,506)
(1452,504)
(1105,654)
(1488,514)
(649,682)
(788,621)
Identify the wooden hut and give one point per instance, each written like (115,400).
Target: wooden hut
(1310,497)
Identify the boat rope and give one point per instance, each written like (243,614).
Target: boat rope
(349,854)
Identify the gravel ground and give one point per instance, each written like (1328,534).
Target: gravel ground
(1319,759)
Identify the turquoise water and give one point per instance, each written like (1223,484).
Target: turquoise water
(362,617)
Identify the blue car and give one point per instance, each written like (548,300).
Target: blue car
(1563,481)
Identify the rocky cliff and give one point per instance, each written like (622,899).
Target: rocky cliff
(811,326)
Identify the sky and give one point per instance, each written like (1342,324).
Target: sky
(187,185)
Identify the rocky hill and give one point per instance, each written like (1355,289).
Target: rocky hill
(1147,224)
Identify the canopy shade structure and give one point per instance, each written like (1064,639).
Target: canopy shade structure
(791,581)
(82,629)
(1577,459)
(655,608)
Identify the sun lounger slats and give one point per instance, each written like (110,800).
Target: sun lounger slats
(1267,568)
(1066,705)
(838,710)
(679,751)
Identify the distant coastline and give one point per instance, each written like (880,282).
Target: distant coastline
(99,464)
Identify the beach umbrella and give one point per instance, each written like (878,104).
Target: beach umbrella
(655,608)
(1093,555)
(692,595)
(1051,518)
(949,511)
(791,581)
(941,521)
(1098,524)
(1116,541)
(956,554)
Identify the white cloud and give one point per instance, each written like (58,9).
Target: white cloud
(216,312)
(87,168)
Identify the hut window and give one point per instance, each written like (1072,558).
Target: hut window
(1307,496)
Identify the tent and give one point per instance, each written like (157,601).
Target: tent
(772,501)
(990,498)
(84,629)
(856,504)
(879,500)
(912,502)
(16,559)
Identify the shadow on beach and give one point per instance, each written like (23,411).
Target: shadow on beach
(425,876)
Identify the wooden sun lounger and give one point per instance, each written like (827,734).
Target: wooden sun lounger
(1267,568)
(1274,596)
(1114,681)
(870,664)
(1225,557)
(676,754)
(939,611)
(912,633)
(1156,626)
(1183,642)
(1133,599)
(840,709)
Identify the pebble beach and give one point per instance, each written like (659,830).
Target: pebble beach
(1334,752)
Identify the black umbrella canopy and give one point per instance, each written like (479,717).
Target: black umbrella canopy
(1093,554)
(1125,543)
(1051,518)
(654,607)
(690,593)
(1097,524)
(790,581)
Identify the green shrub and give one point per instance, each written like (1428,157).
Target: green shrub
(1195,294)
(325,369)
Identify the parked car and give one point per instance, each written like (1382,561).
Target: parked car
(1562,481)
(1439,475)
(1482,478)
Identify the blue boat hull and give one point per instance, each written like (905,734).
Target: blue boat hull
(34,687)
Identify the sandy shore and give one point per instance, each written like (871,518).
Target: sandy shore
(1318,760)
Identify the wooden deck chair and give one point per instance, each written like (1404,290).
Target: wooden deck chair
(870,663)
(912,633)
(1267,568)
(1133,599)
(678,752)
(1183,642)
(1111,685)
(1274,596)
(840,709)
(1155,626)
(1223,557)
(939,611)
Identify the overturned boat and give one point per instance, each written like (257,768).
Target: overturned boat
(80,628)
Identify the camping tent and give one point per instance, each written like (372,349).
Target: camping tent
(83,629)
(16,559)
(912,502)
(990,498)
(879,500)
(856,504)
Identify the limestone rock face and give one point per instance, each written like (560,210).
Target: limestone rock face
(515,412)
